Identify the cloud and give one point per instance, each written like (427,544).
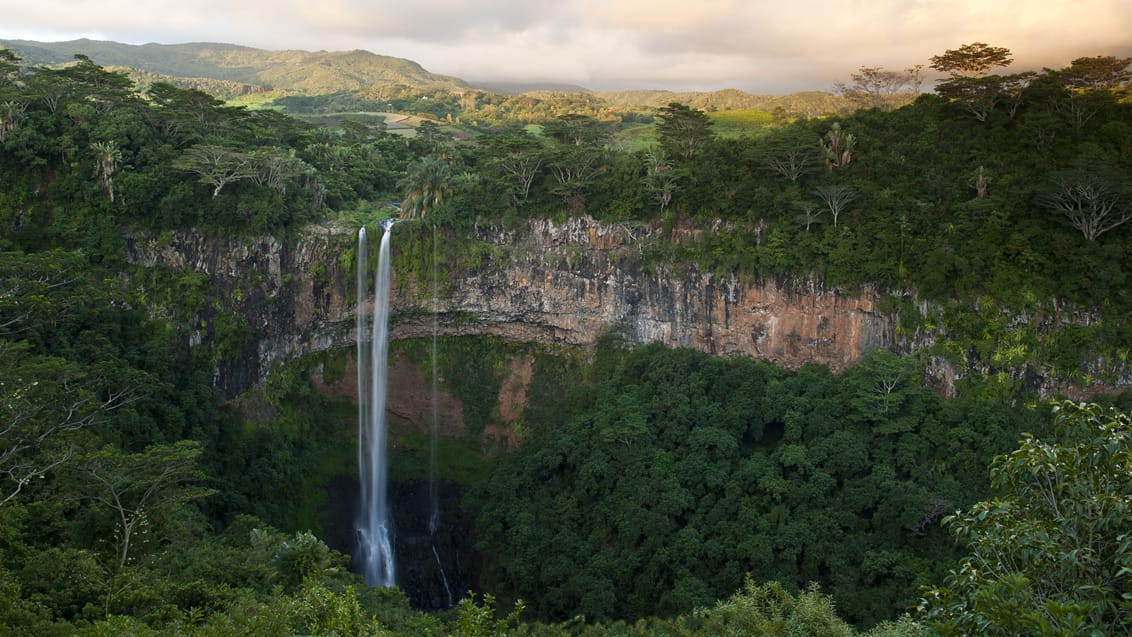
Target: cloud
(652,16)
(747,44)
(434,21)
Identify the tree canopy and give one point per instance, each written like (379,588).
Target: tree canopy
(971,60)
(1051,553)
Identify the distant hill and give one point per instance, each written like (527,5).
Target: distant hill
(518,88)
(229,70)
(290,72)
(809,103)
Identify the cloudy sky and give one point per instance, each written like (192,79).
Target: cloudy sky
(754,45)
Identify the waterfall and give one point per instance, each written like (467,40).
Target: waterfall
(443,576)
(375,549)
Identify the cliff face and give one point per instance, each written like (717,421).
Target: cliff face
(554,283)
(270,284)
(570,283)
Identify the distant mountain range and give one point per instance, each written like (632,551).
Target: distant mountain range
(295,72)
(230,69)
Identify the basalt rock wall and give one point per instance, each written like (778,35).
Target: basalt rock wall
(547,282)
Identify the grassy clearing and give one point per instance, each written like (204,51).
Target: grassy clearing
(725,124)
(395,123)
(254,101)
(392,121)
(635,137)
(742,123)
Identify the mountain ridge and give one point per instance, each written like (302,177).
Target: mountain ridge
(310,73)
(289,71)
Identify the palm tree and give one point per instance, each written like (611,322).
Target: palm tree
(11,113)
(107,156)
(426,186)
(660,177)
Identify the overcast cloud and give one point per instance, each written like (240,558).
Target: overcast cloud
(757,46)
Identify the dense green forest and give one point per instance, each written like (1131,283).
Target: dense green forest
(653,491)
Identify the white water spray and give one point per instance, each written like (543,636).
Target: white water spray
(375,549)
(443,576)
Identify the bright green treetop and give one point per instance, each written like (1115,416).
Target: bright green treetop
(1053,555)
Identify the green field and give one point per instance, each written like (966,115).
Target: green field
(396,123)
(725,124)
(253,100)
(742,123)
(635,137)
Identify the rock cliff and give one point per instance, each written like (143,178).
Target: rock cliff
(550,282)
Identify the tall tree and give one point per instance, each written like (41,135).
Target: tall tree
(574,169)
(431,133)
(12,113)
(519,156)
(187,114)
(1089,84)
(426,186)
(836,198)
(971,60)
(1014,88)
(142,488)
(106,158)
(272,167)
(48,86)
(577,130)
(838,146)
(1093,197)
(808,213)
(43,400)
(95,85)
(9,67)
(1102,72)
(877,87)
(976,95)
(216,166)
(969,81)
(660,178)
(683,131)
(1052,555)
(790,154)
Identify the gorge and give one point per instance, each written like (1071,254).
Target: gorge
(552,285)
(548,284)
